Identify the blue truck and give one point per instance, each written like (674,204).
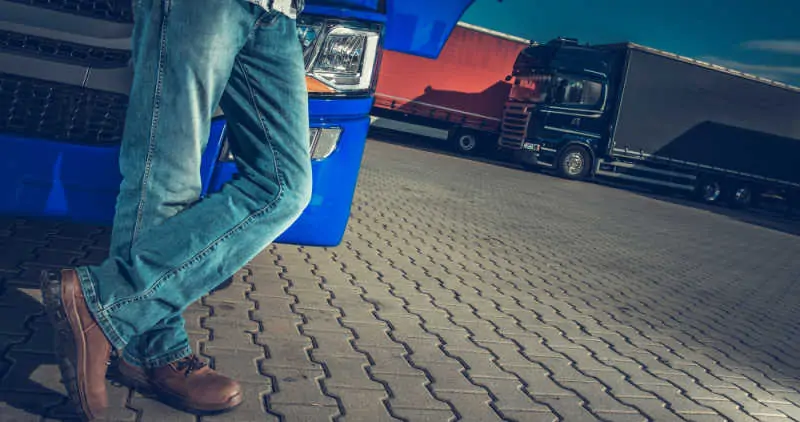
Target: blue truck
(65,77)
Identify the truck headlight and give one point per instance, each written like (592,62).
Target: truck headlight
(340,56)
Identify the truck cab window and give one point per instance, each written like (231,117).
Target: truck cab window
(577,92)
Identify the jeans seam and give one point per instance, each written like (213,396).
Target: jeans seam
(100,316)
(238,227)
(267,133)
(151,143)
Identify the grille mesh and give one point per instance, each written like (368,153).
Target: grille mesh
(110,10)
(58,112)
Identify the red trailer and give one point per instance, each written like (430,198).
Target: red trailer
(459,97)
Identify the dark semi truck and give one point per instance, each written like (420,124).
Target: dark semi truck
(642,115)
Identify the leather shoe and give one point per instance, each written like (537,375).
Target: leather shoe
(82,348)
(188,384)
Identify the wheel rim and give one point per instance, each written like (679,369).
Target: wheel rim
(574,163)
(466,143)
(711,191)
(743,196)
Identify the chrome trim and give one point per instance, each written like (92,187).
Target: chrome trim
(572,112)
(643,180)
(514,127)
(647,169)
(574,132)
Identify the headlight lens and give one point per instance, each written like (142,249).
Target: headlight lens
(340,57)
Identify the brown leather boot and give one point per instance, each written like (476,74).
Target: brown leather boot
(188,384)
(82,347)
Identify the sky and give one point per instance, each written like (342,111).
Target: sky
(755,36)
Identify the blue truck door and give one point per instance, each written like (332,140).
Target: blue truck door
(421,27)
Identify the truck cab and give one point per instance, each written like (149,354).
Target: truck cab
(65,76)
(557,108)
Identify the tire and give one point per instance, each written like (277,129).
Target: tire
(708,190)
(465,142)
(574,163)
(741,196)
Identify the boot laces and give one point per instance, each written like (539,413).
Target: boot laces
(189,364)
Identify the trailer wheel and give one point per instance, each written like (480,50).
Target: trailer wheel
(574,163)
(466,142)
(741,196)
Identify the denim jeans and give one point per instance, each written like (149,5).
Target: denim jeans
(169,248)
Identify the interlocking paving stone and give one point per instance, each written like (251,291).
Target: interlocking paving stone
(466,291)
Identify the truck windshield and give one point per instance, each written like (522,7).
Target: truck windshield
(531,89)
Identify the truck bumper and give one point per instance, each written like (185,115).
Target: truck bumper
(528,158)
(533,155)
(80,183)
(324,221)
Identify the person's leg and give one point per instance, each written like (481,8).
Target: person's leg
(175,263)
(266,106)
(156,186)
(183,58)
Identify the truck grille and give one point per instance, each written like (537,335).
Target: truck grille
(109,10)
(515,125)
(58,112)
(63,51)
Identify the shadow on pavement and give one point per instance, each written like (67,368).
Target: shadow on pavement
(772,216)
(29,378)
(30,382)
(437,146)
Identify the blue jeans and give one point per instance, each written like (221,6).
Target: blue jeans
(169,248)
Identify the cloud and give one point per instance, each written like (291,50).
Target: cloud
(766,71)
(774,46)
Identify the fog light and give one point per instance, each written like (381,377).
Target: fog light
(324,142)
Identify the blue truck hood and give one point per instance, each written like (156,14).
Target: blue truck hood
(418,27)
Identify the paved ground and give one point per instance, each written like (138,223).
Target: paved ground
(468,291)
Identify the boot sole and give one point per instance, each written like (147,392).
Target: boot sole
(147,389)
(66,349)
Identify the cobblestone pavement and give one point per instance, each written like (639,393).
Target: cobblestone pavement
(466,291)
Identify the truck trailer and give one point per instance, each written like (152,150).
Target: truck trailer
(457,97)
(65,76)
(642,115)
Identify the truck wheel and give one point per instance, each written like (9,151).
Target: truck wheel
(708,191)
(574,163)
(466,142)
